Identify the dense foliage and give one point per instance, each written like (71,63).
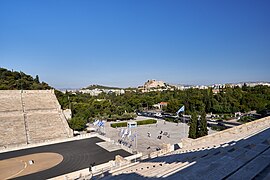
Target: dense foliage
(111,106)
(77,123)
(13,80)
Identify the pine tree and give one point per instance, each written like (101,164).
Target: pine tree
(193,126)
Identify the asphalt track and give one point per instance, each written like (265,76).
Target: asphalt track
(77,155)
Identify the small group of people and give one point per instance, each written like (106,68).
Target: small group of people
(120,141)
(163,133)
(159,136)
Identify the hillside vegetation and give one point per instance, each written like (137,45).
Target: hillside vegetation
(13,80)
(229,100)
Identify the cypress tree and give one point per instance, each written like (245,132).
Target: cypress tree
(37,79)
(203,131)
(193,126)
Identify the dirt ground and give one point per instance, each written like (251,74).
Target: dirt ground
(20,166)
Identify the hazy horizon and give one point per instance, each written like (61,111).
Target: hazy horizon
(73,44)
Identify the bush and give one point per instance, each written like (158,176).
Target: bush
(120,124)
(147,121)
(143,122)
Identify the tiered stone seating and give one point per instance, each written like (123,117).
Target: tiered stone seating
(45,126)
(12,130)
(39,100)
(232,162)
(10,101)
(30,116)
(43,116)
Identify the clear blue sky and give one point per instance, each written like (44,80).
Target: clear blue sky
(74,43)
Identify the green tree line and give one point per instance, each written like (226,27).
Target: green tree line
(112,106)
(229,100)
(13,80)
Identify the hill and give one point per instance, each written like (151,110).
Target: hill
(13,80)
(96,86)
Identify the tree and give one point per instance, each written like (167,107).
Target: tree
(245,87)
(77,123)
(193,126)
(203,131)
(36,79)
(195,100)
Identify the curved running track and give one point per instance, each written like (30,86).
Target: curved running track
(77,155)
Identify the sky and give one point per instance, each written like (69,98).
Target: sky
(123,43)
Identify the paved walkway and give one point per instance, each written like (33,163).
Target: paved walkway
(175,132)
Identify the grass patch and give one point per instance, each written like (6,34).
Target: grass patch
(142,122)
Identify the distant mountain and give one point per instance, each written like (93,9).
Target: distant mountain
(13,80)
(96,86)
